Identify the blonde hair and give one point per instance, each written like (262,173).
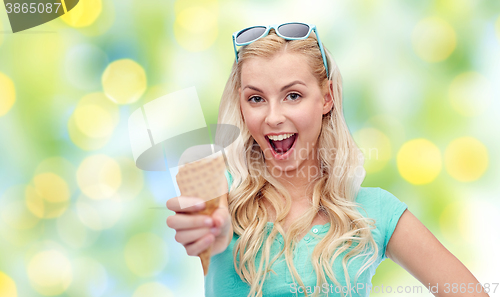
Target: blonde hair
(334,192)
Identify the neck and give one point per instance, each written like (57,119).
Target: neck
(300,181)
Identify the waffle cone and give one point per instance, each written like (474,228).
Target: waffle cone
(204,179)
(211,206)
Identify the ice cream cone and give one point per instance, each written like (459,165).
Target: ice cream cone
(204,179)
(211,206)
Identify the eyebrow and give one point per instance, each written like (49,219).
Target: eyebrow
(282,89)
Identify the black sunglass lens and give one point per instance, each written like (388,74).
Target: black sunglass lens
(294,30)
(250,34)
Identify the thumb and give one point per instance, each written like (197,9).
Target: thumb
(220,217)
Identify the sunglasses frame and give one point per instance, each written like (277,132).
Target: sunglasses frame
(276,29)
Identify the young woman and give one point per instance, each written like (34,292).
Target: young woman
(297,221)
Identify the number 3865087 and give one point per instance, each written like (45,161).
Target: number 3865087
(32,7)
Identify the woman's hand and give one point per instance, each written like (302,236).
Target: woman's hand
(197,232)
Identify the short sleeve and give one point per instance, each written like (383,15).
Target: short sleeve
(391,209)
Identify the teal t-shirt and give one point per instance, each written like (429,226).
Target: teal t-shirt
(378,204)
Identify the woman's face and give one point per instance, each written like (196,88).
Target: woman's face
(280,98)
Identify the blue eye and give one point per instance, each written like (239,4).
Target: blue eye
(294,96)
(255,99)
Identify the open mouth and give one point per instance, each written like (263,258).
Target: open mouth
(281,144)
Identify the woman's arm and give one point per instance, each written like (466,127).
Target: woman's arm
(413,247)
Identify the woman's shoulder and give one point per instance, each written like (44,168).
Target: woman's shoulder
(379,204)
(375,196)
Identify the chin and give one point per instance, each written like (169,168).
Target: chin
(282,167)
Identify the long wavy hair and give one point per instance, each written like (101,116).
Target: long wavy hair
(334,190)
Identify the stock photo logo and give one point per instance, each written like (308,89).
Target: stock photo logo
(171,131)
(26,14)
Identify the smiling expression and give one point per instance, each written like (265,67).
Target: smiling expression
(280,98)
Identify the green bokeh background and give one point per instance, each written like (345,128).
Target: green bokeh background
(398,86)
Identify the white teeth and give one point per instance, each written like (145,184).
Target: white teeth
(280,137)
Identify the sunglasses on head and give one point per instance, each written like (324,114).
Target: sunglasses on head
(288,31)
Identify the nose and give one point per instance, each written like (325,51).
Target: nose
(275,115)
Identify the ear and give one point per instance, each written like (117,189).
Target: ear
(327,97)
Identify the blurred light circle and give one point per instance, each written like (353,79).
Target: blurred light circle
(182,5)
(48,196)
(83,65)
(7,94)
(132,179)
(82,140)
(7,285)
(376,148)
(433,39)
(51,187)
(83,14)
(461,10)
(99,176)
(14,211)
(94,121)
(124,81)
(419,161)
(61,167)
(50,272)
(103,23)
(196,19)
(99,214)
(146,254)
(195,28)
(86,134)
(90,278)
(153,290)
(99,99)
(470,93)
(74,232)
(466,159)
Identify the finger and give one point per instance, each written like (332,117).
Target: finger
(200,245)
(189,236)
(185,221)
(220,216)
(185,204)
